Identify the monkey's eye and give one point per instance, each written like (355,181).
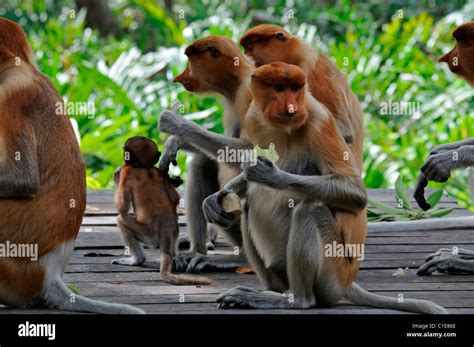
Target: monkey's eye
(279,87)
(295,88)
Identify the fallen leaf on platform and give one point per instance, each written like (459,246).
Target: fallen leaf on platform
(245,270)
(92,209)
(399,272)
(118,282)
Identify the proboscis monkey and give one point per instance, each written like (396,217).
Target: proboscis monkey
(42,184)
(267,43)
(311,202)
(215,66)
(445,158)
(154,199)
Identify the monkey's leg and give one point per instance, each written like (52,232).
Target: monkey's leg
(129,228)
(309,225)
(231,228)
(202,182)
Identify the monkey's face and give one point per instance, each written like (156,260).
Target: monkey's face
(211,65)
(278,91)
(461,58)
(267,43)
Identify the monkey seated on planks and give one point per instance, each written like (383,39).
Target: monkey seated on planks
(312,199)
(154,198)
(445,158)
(42,184)
(215,65)
(268,43)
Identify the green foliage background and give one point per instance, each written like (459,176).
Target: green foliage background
(388,49)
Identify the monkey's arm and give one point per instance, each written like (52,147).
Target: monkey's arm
(123,200)
(172,145)
(341,191)
(451,146)
(205,141)
(19,172)
(438,167)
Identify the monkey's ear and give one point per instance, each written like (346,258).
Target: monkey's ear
(280,36)
(214,52)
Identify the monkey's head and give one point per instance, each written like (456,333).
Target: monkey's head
(13,41)
(214,63)
(461,58)
(140,151)
(268,43)
(279,92)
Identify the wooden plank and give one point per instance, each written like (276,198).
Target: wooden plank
(364,276)
(385,252)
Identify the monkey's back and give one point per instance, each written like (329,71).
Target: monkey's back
(153,195)
(54,214)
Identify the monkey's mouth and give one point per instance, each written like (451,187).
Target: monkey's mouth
(288,115)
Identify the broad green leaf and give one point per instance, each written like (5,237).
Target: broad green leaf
(441,213)
(385,208)
(434,198)
(402,194)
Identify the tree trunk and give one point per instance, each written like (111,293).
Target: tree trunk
(99,16)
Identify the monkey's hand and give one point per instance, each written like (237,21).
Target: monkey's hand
(214,212)
(263,172)
(419,194)
(171,123)
(438,166)
(172,146)
(117,173)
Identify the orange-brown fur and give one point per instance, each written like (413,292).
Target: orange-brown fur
(152,193)
(27,110)
(219,73)
(327,84)
(461,58)
(154,200)
(305,135)
(212,68)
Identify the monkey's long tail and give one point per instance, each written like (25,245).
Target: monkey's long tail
(360,296)
(60,296)
(427,224)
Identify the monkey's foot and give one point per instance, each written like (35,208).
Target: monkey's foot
(244,297)
(195,262)
(451,252)
(130,261)
(450,264)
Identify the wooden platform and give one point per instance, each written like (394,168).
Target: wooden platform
(99,242)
